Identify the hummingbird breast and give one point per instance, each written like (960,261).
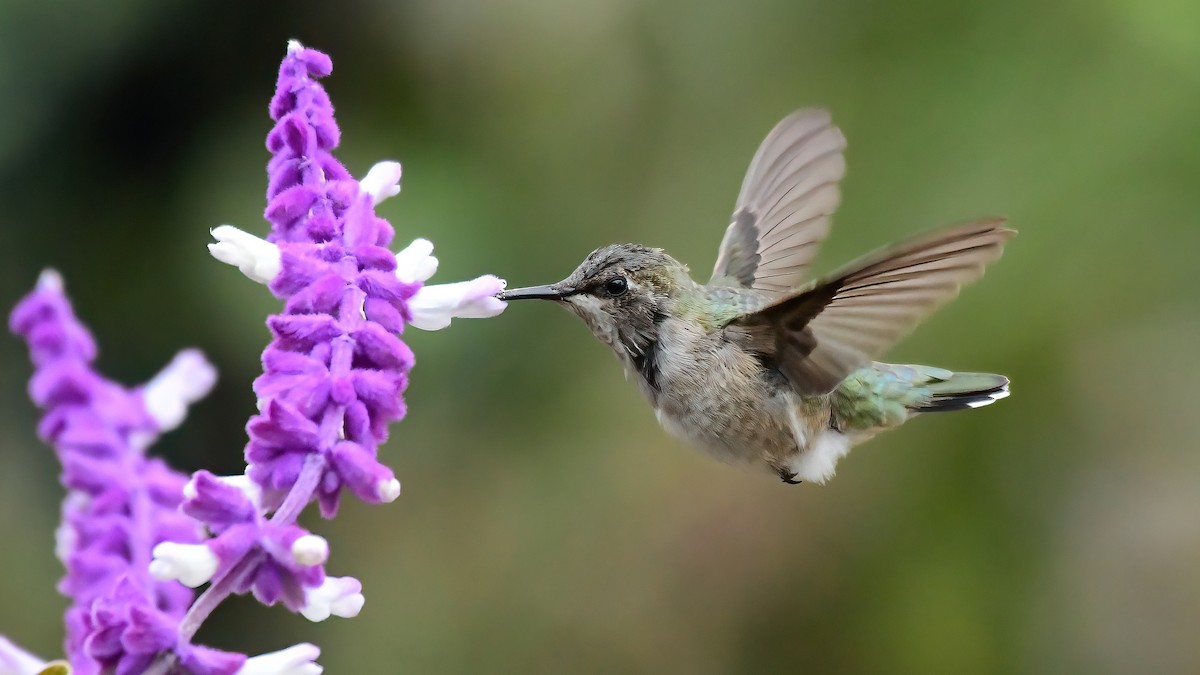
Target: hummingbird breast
(710,391)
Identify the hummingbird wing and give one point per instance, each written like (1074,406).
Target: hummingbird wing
(783,211)
(822,334)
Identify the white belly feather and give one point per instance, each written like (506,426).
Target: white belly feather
(817,464)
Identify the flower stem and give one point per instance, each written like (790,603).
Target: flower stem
(302,490)
(216,593)
(164,664)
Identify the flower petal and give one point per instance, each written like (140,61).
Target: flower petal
(380,349)
(434,306)
(208,661)
(295,660)
(258,259)
(216,501)
(185,380)
(416,262)
(17,661)
(301,332)
(371,481)
(190,564)
(337,596)
(382,181)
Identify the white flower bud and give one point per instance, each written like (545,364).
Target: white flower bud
(190,564)
(257,258)
(311,549)
(388,490)
(50,280)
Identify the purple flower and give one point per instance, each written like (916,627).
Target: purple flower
(120,502)
(286,568)
(336,369)
(137,536)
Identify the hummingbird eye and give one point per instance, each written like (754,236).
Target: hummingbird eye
(616,286)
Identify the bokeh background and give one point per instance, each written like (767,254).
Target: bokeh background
(548,525)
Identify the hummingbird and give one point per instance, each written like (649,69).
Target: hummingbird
(762,365)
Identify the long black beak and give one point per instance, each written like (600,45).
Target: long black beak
(548,292)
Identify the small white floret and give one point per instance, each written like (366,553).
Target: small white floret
(337,596)
(295,660)
(185,380)
(257,258)
(17,661)
(382,181)
(416,262)
(189,564)
(311,549)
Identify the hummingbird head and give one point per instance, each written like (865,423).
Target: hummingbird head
(622,292)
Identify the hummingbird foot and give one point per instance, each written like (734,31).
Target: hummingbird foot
(789,477)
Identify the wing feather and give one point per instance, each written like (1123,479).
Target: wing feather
(819,336)
(783,210)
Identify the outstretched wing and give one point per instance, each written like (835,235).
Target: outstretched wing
(818,337)
(783,211)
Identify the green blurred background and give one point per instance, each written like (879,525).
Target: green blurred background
(548,525)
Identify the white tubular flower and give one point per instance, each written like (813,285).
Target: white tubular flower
(309,550)
(17,661)
(190,564)
(416,262)
(185,380)
(257,258)
(434,306)
(337,596)
(295,660)
(382,181)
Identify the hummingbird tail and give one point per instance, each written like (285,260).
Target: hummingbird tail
(961,391)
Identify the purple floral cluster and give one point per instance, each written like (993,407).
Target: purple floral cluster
(137,535)
(120,502)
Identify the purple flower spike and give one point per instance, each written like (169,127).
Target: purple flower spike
(136,535)
(120,503)
(334,374)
